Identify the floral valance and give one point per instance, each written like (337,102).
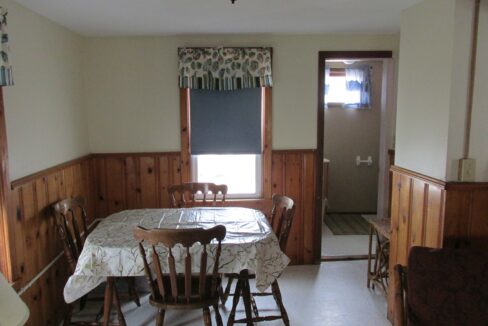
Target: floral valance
(6,78)
(224,68)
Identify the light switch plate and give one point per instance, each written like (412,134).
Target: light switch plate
(467,168)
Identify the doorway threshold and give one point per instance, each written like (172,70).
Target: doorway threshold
(343,258)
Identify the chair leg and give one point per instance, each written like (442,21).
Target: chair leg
(235,302)
(279,300)
(206,317)
(116,301)
(99,314)
(67,317)
(218,318)
(225,295)
(254,306)
(132,290)
(107,301)
(246,296)
(82,302)
(160,317)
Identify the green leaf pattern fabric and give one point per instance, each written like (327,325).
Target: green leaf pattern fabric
(224,69)
(6,78)
(111,250)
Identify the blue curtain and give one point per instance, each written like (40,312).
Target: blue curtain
(326,84)
(358,79)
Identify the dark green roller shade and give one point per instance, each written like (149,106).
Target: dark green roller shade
(225,122)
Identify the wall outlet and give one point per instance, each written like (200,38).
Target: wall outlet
(467,168)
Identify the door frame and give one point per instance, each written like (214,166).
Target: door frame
(322,57)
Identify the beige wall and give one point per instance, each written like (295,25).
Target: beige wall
(432,89)
(348,133)
(423,85)
(75,95)
(132,95)
(479,128)
(44,109)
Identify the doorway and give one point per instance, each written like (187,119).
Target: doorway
(354,138)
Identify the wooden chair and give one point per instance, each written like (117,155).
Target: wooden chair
(187,194)
(181,290)
(281,220)
(441,287)
(72,229)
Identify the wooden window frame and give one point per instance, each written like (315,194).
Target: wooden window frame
(266,134)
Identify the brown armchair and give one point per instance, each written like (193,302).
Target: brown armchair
(442,287)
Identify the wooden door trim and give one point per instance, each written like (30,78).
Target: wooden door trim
(322,56)
(6,243)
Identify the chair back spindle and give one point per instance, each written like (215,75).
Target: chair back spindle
(281,218)
(68,228)
(187,194)
(183,288)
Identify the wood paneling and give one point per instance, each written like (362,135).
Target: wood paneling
(36,244)
(141,181)
(293,175)
(114,182)
(6,238)
(433,213)
(132,181)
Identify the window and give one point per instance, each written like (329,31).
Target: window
(347,87)
(240,172)
(338,94)
(226,139)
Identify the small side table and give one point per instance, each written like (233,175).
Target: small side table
(378,273)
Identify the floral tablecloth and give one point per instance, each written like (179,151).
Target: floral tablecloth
(110,250)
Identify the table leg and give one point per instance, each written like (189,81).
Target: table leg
(246,296)
(107,301)
(370,248)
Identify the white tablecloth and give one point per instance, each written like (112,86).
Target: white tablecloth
(110,250)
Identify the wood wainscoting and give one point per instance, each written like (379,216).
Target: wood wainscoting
(37,261)
(129,180)
(434,213)
(114,182)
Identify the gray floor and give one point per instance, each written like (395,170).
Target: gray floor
(333,293)
(344,245)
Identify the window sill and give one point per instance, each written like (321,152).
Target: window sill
(343,106)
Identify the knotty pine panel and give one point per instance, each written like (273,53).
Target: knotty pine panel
(433,213)
(293,175)
(149,182)
(134,180)
(36,241)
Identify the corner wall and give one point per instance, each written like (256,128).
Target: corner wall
(432,89)
(44,108)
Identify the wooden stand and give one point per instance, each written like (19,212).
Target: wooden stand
(381,229)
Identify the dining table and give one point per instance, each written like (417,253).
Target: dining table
(110,250)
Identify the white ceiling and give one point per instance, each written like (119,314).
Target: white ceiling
(150,17)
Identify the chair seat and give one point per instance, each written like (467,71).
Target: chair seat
(195,301)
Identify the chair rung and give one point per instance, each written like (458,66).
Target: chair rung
(257,319)
(259,294)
